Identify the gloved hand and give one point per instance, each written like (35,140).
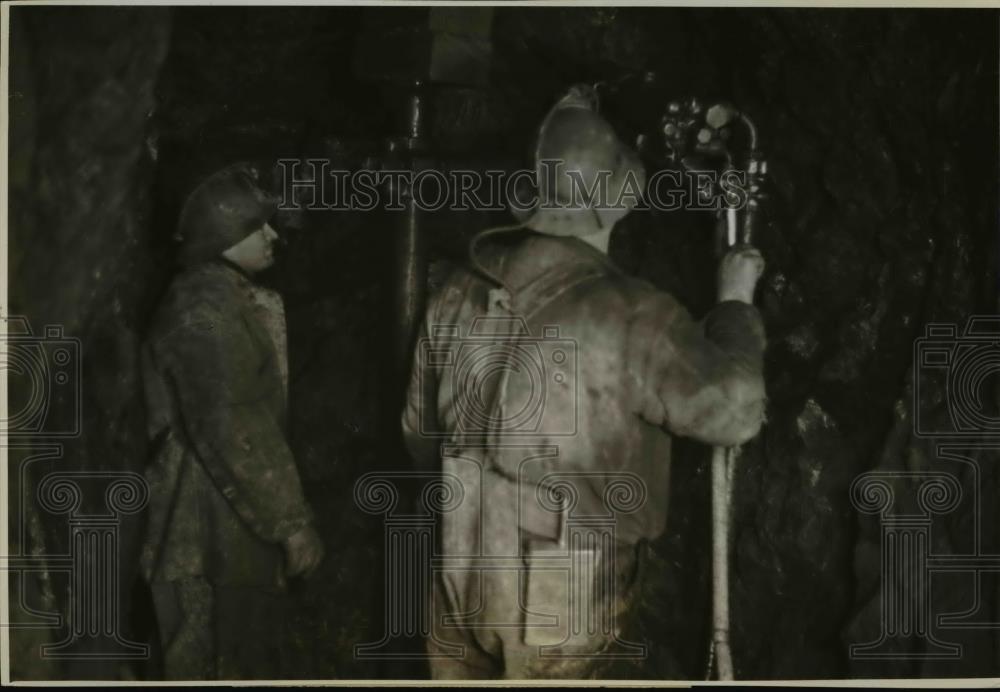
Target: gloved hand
(739,271)
(303,552)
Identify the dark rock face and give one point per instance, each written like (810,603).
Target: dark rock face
(873,208)
(880,130)
(81,247)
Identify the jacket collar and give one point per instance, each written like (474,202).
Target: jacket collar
(232,266)
(541,254)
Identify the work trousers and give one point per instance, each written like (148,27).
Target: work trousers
(521,647)
(213,632)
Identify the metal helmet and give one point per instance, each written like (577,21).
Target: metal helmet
(222,210)
(575,150)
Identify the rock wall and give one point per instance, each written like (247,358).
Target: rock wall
(81,250)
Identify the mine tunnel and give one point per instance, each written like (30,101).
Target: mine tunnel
(880,130)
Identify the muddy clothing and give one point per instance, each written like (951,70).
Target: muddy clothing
(224,489)
(622,368)
(212,632)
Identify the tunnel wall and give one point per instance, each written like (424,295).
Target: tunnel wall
(82,259)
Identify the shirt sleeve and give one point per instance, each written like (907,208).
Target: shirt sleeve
(232,425)
(703,381)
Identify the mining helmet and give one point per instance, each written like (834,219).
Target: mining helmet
(587,178)
(222,210)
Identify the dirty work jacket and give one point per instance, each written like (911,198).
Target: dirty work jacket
(224,488)
(623,368)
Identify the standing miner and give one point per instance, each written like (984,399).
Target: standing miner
(228,521)
(643,371)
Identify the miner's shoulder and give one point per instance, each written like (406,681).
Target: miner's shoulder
(622,297)
(199,300)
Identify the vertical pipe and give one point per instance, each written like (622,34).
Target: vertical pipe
(407,286)
(410,272)
(723,466)
(720,563)
(409,264)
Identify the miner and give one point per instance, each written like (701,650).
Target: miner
(228,521)
(601,371)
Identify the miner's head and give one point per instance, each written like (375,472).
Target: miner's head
(227,216)
(587,178)
(255,252)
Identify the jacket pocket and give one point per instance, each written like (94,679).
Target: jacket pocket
(560,606)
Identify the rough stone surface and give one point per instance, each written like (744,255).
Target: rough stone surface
(81,245)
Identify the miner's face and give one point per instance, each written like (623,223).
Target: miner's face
(255,252)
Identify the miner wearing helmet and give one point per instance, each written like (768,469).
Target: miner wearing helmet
(228,521)
(547,386)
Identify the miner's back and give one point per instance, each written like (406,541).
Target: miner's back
(599,369)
